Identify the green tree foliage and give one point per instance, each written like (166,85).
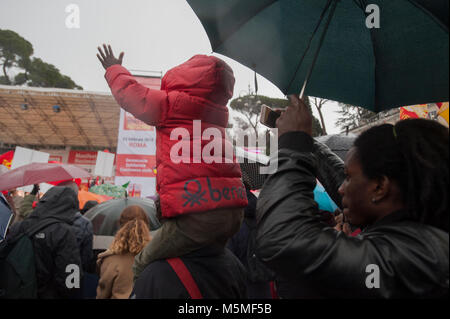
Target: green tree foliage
(250,106)
(353,116)
(42,74)
(15,52)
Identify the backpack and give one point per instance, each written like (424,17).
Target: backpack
(17,264)
(257,271)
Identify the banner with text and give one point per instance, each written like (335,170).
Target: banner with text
(136,149)
(87,160)
(433,111)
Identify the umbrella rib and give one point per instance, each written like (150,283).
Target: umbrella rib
(237,27)
(431,15)
(376,105)
(309,43)
(358,3)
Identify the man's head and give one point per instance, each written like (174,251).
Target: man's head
(71,184)
(59,202)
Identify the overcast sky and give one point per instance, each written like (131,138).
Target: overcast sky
(154,34)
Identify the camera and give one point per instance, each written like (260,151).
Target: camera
(269,116)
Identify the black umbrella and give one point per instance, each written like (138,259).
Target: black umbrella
(339,144)
(403,62)
(6,216)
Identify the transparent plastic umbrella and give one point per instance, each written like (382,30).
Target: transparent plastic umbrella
(105,216)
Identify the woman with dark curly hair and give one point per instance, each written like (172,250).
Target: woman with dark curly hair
(394,186)
(116,264)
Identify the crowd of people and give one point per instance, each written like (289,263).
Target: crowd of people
(388,239)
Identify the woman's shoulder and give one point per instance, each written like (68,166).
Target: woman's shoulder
(116,262)
(118,259)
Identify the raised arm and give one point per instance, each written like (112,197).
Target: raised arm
(145,104)
(292,239)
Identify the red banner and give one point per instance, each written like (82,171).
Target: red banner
(133,124)
(82,157)
(135,165)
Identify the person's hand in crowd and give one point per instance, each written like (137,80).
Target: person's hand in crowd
(341,225)
(297,117)
(107,58)
(10,200)
(35,189)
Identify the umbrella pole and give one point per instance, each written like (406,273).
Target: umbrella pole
(322,38)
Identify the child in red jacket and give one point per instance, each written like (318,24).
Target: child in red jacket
(200,201)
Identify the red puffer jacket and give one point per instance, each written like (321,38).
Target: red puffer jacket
(198,89)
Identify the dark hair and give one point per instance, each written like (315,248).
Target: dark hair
(133,212)
(415,154)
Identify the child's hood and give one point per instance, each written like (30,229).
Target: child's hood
(203,76)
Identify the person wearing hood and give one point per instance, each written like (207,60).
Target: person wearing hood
(55,246)
(201,200)
(84,233)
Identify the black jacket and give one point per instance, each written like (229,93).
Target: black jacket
(238,244)
(412,258)
(242,245)
(85,237)
(55,247)
(216,271)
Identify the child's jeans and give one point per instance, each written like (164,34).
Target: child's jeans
(186,233)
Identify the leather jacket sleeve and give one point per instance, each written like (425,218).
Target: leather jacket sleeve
(330,170)
(293,242)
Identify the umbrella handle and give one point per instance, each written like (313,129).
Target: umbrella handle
(322,38)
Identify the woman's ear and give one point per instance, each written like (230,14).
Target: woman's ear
(383,185)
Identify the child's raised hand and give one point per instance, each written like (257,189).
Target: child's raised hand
(107,58)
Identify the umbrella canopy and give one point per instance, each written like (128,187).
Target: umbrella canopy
(403,62)
(36,173)
(339,144)
(251,164)
(3,169)
(6,216)
(105,216)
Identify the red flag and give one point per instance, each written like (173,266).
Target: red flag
(6,158)
(406,114)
